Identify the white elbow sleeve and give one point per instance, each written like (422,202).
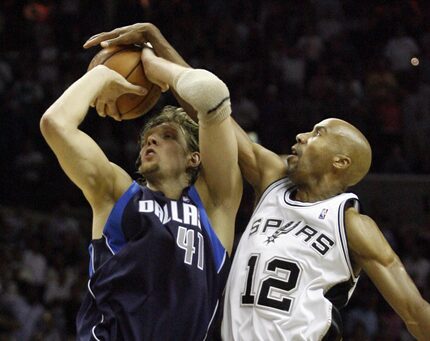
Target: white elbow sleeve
(206,93)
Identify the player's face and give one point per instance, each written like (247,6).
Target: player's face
(312,155)
(164,152)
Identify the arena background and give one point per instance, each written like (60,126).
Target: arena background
(288,65)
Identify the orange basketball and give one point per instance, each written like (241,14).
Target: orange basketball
(126,61)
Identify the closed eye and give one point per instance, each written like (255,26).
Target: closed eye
(316,133)
(319,131)
(169,136)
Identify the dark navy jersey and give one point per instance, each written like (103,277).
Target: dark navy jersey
(157,273)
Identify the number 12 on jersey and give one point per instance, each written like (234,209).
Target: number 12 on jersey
(272,290)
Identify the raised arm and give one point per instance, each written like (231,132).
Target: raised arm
(78,154)
(219,183)
(373,254)
(259,166)
(142,33)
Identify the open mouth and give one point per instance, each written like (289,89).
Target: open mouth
(149,152)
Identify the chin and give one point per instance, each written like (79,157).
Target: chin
(291,167)
(147,169)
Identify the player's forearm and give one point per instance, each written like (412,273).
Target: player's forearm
(419,325)
(163,48)
(70,109)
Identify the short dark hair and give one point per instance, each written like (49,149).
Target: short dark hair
(190,129)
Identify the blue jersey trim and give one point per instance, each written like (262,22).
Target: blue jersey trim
(219,251)
(112,231)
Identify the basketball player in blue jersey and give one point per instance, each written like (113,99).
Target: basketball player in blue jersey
(301,254)
(159,251)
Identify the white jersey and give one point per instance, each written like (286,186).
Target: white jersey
(291,271)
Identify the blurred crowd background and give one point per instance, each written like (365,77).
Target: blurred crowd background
(288,64)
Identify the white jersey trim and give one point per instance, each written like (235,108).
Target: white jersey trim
(342,233)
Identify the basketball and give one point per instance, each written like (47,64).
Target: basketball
(126,61)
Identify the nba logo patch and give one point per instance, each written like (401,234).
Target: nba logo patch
(323,213)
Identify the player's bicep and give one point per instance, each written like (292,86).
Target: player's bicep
(81,159)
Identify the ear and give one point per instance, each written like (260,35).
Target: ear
(341,161)
(194,159)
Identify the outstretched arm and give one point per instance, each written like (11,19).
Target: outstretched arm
(373,254)
(79,156)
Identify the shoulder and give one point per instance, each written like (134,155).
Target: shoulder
(365,239)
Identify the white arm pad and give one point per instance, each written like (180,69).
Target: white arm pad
(206,93)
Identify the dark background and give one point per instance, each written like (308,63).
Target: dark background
(288,64)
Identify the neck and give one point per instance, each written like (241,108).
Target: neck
(317,191)
(172,188)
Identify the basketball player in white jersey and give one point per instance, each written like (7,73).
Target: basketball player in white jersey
(300,257)
(301,254)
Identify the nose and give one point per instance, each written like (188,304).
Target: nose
(152,140)
(301,138)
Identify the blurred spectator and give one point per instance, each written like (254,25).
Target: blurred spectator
(363,320)
(30,163)
(329,23)
(417,265)
(400,49)
(425,59)
(416,118)
(47,330)
(391,326)
(27,310)
(359,332)
(380,80)
(60,279)
(245,111)
(34,265)
(395,161)
(6,75)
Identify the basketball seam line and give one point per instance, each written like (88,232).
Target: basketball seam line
(110,56)
(143,100)
(132,70)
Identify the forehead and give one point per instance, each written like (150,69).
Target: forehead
(165,126)
(332,125)
(337,127)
